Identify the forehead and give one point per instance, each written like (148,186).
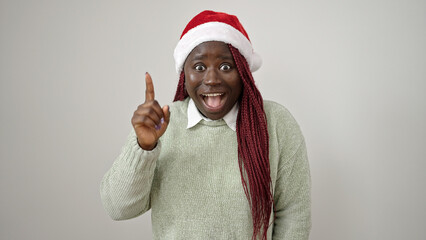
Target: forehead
(211,48)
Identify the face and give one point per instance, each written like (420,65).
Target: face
(212,79)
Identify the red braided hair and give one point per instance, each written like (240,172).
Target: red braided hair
(253,146)
(181,92)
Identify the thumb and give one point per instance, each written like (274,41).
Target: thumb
(165,122)
(166,112)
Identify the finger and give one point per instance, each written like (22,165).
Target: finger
(144,121)
(149,90)
(157,108)
(150,108)
(164,121)
(143,114)
(166,113)
(148,122)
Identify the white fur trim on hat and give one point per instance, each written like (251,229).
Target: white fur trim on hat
(215,31)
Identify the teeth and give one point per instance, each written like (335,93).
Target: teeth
(212,94)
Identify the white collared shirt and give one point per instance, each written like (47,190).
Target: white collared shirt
(194,116)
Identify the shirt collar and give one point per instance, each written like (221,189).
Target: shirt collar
(194,116)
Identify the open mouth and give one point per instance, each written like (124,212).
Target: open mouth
(213,101)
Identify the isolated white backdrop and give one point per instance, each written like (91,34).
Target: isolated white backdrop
(353,73)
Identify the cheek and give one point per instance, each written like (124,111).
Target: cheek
(193,79)
(190,84)
(237,84)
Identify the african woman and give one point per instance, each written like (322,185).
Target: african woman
(219,162)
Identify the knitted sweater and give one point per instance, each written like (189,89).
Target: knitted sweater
(191,181)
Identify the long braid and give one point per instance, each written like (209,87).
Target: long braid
(253,146)
(181,92)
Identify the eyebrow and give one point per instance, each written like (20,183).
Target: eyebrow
(201,57)
(227,57)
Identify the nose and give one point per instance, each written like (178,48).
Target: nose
(212,77)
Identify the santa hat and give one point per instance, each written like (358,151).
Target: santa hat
(215,26)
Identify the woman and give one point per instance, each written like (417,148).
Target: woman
(219,163)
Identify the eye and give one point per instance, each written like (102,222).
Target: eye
(199,67)
(225,67)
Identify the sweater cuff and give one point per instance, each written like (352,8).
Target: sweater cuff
(135,158)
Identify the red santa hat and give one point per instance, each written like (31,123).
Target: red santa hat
(215,26)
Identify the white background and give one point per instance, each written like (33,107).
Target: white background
(353,73)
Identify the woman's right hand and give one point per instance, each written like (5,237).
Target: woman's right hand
(150,121)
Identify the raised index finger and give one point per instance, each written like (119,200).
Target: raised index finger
(149,91)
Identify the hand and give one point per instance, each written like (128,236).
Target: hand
(150,121)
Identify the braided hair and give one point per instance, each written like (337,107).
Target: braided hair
(253,145)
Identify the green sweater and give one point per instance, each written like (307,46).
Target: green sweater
(191,181)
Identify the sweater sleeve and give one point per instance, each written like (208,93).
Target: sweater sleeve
(292,198)
(125,188)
